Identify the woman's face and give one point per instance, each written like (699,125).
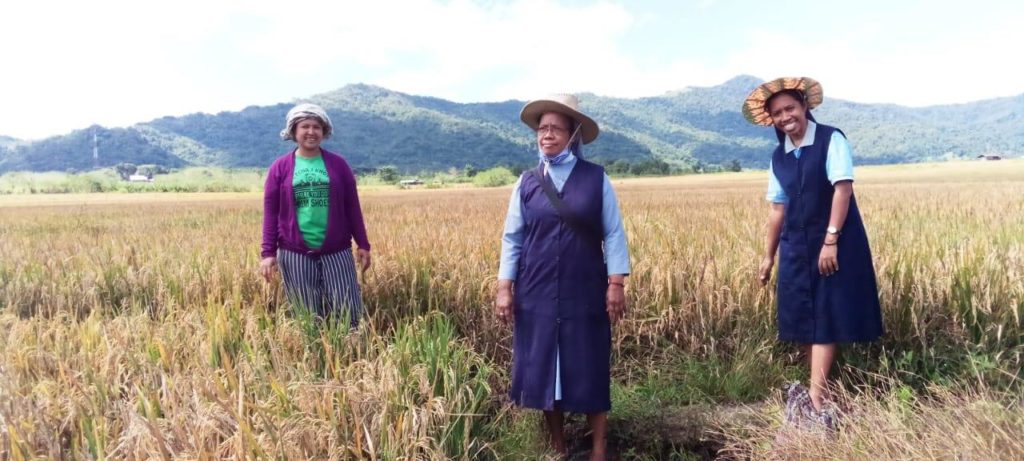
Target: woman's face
(309,133)
(553,133)
(788,114)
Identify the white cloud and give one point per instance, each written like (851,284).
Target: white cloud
(71,64)
(970,67)
(440,49)
(118,62)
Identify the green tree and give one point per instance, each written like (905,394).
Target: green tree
(125,169)
(388,173)
(620,166)
(650,167)
(151,170)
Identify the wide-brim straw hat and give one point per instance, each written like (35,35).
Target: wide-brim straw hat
(754,106)
(566,104)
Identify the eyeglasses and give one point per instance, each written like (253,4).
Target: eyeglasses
(553,129)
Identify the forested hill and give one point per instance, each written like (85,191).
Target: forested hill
(376,127)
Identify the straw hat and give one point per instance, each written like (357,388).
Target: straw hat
(566,104)
(754,109)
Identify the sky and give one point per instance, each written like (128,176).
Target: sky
(67,65)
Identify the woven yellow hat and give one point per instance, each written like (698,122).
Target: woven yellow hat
(753,107)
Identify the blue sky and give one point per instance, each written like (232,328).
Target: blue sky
(69,64)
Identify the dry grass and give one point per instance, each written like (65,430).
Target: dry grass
(135,326)
(207,384)
(893,422)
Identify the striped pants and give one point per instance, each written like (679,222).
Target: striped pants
(326,285)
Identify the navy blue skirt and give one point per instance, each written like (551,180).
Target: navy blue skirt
(841,308)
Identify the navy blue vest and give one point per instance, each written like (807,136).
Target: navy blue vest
(558,268)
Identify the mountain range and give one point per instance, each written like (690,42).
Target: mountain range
(375,127)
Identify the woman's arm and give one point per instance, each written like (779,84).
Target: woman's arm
(616,252)
(839,168)
(773,229)
(828,260)
(354,216)
(271,207)
(511,247)
(616,247)
(353,209)
(840,205)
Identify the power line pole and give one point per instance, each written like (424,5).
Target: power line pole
(95,151)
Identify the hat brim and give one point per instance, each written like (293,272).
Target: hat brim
(753,107)
(532,111)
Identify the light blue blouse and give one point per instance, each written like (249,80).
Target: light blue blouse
(838,162)
(616,251)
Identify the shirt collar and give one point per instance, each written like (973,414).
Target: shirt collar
(808,138)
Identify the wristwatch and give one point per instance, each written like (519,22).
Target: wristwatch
(832,230)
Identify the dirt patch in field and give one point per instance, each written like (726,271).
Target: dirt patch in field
(691,432)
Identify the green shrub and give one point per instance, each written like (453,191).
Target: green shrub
(494,177)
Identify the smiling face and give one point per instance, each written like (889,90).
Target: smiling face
(553,133)
(789,115)
(309,133)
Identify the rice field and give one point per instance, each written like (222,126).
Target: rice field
(135,326)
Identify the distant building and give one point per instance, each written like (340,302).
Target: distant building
(139,178)
(410,182)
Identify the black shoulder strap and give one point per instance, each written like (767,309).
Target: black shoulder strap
(567,216)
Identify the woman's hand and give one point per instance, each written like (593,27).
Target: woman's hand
(764,272)
(363,259)
(828,263)
(268,266)
(616,300)
(503,302)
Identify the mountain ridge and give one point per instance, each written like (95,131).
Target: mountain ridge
(376,126)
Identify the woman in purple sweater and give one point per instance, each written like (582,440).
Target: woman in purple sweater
(311,215)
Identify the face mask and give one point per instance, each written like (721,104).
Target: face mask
(556,160)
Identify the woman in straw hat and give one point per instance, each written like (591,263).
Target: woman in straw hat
(561,281)
(826,287)
(311,214)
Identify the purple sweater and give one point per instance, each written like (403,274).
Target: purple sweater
(344,216)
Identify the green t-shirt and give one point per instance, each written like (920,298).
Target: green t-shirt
(311,198)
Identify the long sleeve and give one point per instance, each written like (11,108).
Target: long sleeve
(353,210)
(271,208)
(616,248)
(512,237)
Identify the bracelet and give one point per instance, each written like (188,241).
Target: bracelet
(623,285)
(832,244)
